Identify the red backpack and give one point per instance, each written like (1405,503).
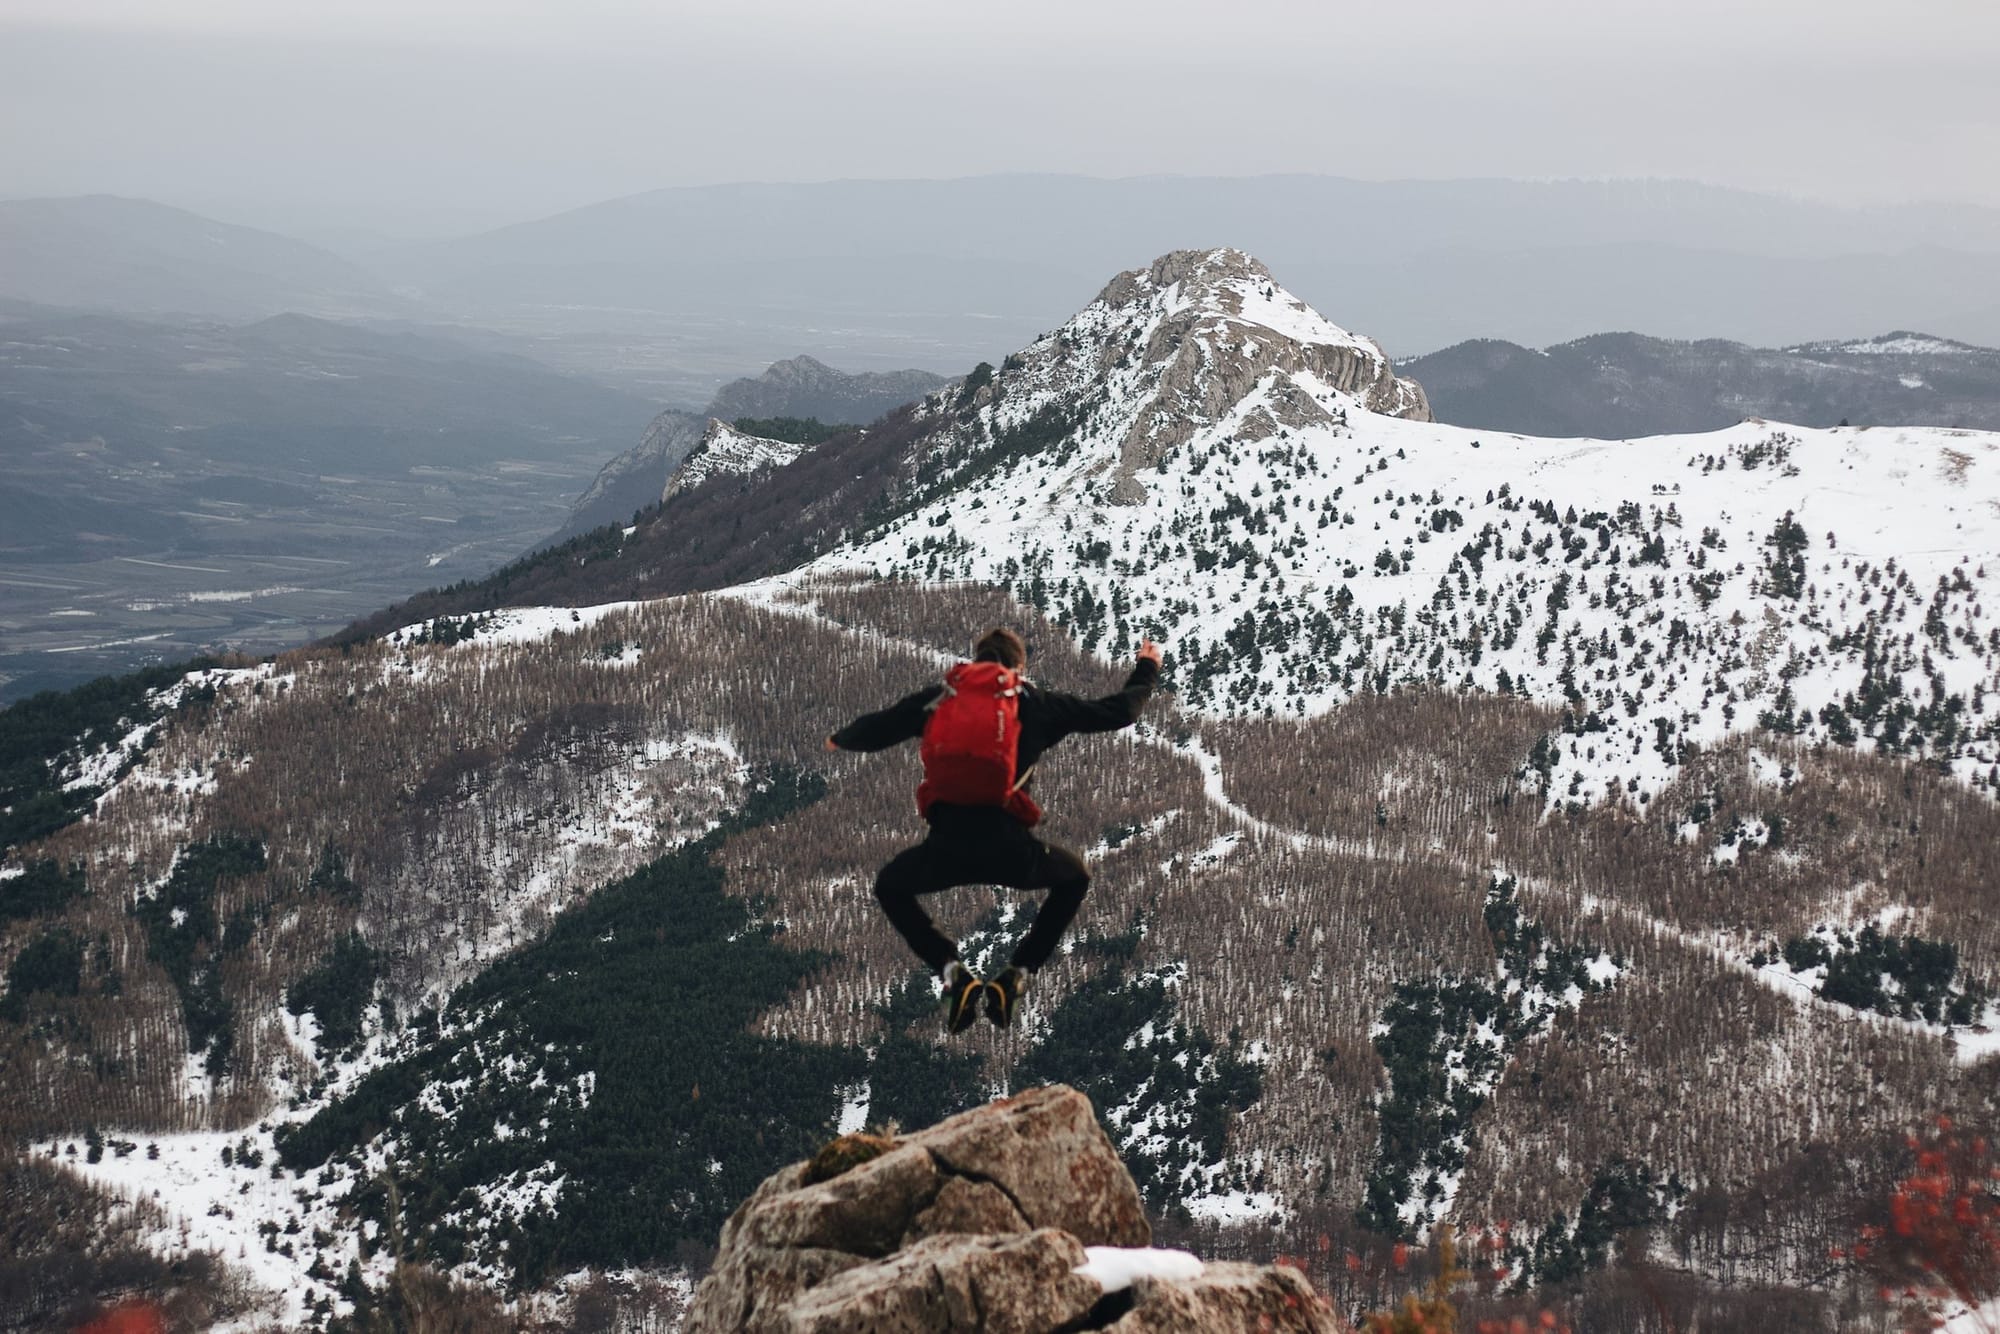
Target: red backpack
(972,741)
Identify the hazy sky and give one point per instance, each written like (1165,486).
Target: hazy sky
(426,116)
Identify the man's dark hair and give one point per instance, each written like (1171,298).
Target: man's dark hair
(1001,645)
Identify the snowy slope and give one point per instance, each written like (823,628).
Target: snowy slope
(1208,462)
(1899,344)
(724,451)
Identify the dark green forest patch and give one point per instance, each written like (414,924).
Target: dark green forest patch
(1446,1041)
(615,1055)
(1624,1194)
(337,993)
(37,732)
(1164,1089)
(790,430)
(44,887)
(185,937)
(51,964)
(1906,977)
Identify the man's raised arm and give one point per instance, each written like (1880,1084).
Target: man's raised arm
(1119,709)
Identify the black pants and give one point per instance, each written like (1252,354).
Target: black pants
(981,845)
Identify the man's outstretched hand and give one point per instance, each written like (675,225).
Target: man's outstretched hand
(831,744)
(1151,652)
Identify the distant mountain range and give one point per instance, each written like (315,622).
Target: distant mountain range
(1622,384)
(987,262)
(673,286)
(133,256)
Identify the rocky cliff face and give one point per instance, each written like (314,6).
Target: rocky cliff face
(1197,341)
(1015,1216)
(633,480)
(1220,329)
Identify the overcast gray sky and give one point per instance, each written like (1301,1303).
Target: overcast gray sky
(428,116)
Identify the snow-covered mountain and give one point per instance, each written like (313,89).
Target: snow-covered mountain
(1595,835)
(1200,458)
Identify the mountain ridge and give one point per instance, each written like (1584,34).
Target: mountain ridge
(799,387)
(1115,419)
(1613,385)
(137,256)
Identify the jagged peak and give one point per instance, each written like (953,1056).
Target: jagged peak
(1195,342)
(802,364)
(1232,285)
(1210,268)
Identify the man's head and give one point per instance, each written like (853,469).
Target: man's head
(1003,646)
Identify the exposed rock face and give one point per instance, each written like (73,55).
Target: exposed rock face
(1222,327)
(1198,341)
(979,1223)
(634,479)
(1022,1283)
(1227,1297)
(803,387)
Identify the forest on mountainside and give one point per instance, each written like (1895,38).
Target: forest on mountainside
(1276,895)
(727,530)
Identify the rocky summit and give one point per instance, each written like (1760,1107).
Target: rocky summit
(1014,1217)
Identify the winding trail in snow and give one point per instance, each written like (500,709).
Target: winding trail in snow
(1968,1046)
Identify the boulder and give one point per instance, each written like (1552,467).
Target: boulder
(1019,1283)
(1045,1150)
(1228,1297)
(978,1223)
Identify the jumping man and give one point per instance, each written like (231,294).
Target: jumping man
(984,728)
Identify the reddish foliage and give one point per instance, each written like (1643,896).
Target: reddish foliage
(1544,1323)
(129,1318)
(1940,1240)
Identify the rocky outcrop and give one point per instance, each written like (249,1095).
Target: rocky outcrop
(1016,1218)
(634,479)
(723,450)
(803,387)
(1223,328)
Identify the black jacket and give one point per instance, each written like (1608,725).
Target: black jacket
(1047,716)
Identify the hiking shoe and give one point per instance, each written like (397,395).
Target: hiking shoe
(961,996)
(1003,993)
